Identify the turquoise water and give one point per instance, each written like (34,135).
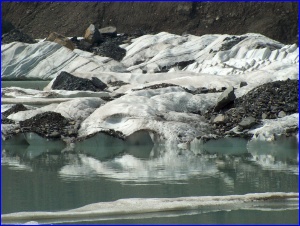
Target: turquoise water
(41,179)
(39,85)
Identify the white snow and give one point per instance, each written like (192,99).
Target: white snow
(271,128)
(76,109)
(215,61)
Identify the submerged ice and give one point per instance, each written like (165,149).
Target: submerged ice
(135,207)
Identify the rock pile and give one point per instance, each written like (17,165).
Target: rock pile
(66,81)
(110,49)
(50,125)
(103,42)
(268,101)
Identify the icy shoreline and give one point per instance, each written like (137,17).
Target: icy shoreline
(165,89)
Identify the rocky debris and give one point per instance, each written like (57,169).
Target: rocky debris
(157,86)
(107,45)
(16,108)
(247,123)
(268,101)
(118,83)
(225,98)
(110,132)
(60,39)
(108,31)
(110,49)
(230,42)
(7,26)
(267,45)
(180,65)
(92,35)
(66,81)
(16,35)
(202,90)
(5,120)
(49,125)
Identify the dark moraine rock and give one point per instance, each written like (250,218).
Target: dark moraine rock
(271,99)
(47,124)
(16,108)
(16,35)
(229,42)
(110,132)
(242,84)
(247,123)
(157,86)
(268,101)
(225,98)
(67,81)
(81,44)
(5,120)
(110,49)
(180,65)
(98,83)
(92,35)
(118,83)
(202,90)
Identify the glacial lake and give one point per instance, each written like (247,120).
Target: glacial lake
(36,178)
(39,85)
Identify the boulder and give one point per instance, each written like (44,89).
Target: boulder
(242,84)
(220,119)
(92,35)
(225,98)
(60,39)
(81,44)
(98,83)
(110,49)
(109,31)
(264,116)
(66,81)
(281,114)
(247,123)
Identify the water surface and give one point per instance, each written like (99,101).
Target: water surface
(36,178)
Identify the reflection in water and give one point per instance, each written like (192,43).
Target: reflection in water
(154,163)
(281,154)
(52,178)
(168,167)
